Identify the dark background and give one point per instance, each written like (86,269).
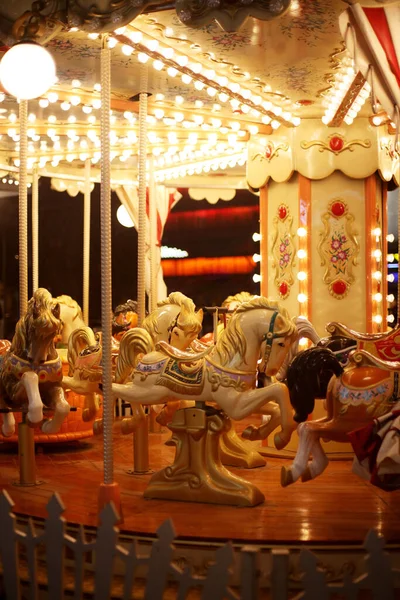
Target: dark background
(195,226)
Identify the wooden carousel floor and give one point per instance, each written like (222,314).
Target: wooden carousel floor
(337,507)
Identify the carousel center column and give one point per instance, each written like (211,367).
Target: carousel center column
(323,193)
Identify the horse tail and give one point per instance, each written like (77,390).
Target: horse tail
(78,340)
(136,341)
(308,377)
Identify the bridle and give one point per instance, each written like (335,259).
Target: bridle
(172,327)
(268,338)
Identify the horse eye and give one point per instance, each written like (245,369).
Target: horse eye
(282,344)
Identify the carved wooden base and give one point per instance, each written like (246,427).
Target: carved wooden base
(197,474)
(235,452)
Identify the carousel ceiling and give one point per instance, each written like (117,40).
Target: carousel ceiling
(210,90)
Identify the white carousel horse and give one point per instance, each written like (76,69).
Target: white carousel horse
(224,374)
(31,370)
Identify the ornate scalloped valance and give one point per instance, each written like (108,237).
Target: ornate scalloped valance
(316,151)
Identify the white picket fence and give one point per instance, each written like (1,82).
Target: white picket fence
(49,563)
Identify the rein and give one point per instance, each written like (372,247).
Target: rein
(268,338)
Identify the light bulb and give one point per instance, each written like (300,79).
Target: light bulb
(390,258)
(27,70)
(256,278)
(127,50)
(377,319)
(377,275)
(256,257)
(378,297)
(256,237)
(301,253)
(390,238)
(302,231)
(377,232)
(390,318)
(301,275)
(123,217)
(390,278)
(390,298)
(302,298)
(43,102)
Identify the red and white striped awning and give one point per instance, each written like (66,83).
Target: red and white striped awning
(372,36)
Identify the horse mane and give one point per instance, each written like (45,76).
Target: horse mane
(150,323)
(70,303)
(42,303)
(233,341)
(239,297)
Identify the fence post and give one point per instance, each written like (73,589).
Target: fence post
(279,574)
(105,547)
(313,578)
(249,576)
(217,581)
(379,570)
(54,542)
(9,548)
(30,542)
(160,562)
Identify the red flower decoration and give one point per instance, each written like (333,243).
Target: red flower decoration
(336,143)
(268,151)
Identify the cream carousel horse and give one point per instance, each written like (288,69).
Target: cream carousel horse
(71,316)
(224,374)
(31,370)
(175,321)
(355,397)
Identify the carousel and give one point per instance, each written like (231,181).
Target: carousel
(145,459)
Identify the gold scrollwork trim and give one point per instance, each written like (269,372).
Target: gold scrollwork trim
(218,379)
(322,146)
(288,274)
(274,152)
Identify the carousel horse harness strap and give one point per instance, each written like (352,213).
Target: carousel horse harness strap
(221,376)
(268,338)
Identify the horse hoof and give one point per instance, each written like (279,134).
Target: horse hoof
(35,415)
(7,432)
(280,441)
(286,477)
(88,414)
(170,442)
(306,476)
(250,433)
(48,427)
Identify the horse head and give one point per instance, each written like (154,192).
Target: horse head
(278,340)
(36,330)
(185,328)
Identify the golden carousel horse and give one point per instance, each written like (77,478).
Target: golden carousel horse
(225,373)
(31,370)
(356,396)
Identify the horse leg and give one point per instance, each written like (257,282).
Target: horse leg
(30,388)
(306,441)
(61,410)
(318,463)
(270,410)
(8,426)
(238,405)
(91,407)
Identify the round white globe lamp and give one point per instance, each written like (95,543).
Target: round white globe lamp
(123,217)
(27,70)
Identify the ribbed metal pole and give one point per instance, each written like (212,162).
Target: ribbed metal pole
(86,242)
(105,236)
(153,237)
(140,437)
(398,261)
(35,230)
(141,297)
(23,208)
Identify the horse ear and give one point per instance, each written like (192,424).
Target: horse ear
(56,310)
(200,315)
(35,310)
